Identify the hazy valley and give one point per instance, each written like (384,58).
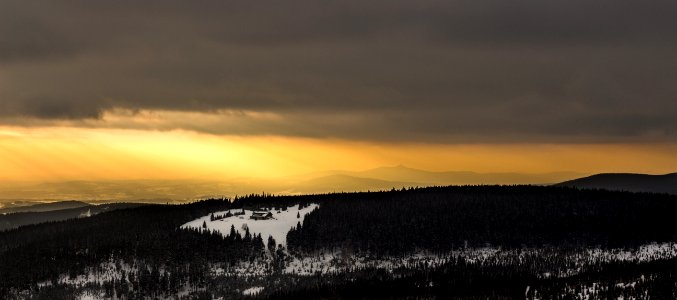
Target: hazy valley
(178,191)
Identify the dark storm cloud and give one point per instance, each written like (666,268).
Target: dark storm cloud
(442,71)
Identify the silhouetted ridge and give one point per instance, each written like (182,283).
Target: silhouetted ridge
(43,207)
(627,182)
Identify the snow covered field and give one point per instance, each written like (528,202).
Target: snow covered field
(277,227)
(337,262)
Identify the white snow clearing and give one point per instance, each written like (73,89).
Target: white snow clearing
(252,291)
(278,226)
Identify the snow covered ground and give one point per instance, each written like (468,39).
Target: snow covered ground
(87,295)
(252,291)
(278,226)
(644,253)
(337,262)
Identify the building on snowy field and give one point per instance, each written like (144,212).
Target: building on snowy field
(261,215)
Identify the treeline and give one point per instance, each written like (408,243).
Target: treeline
(446,218)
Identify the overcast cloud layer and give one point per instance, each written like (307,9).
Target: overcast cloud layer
(436,71)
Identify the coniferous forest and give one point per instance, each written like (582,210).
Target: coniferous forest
(469,242)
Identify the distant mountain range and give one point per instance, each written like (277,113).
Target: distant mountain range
(345,183)
(386,178)
(405,174)
(163,191)
(58,194)
(627,182)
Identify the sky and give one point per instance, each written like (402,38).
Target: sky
(196,89)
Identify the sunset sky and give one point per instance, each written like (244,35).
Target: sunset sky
(102,90)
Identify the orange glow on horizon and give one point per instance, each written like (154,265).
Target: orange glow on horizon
(67,153)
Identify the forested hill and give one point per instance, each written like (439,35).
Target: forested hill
(435,219)
(627,182)
(14,220)
(445,218)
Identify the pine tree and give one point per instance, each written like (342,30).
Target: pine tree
(258,243)
(271,244)
(247,235)
(204,224)
(232,231)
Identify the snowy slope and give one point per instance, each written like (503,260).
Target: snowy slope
(278,227)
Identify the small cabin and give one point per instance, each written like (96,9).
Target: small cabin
(261,215)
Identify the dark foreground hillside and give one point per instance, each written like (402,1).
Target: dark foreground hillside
(498,242)
(441,219)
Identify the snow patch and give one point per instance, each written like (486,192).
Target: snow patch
(252,291)
(86,214)
(89,296)
(277,227)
